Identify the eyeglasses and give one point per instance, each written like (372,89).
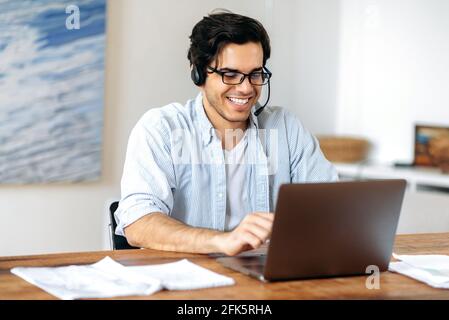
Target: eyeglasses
(257,78)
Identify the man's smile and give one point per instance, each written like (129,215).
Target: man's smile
(239,103)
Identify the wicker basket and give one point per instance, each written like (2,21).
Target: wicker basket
(344,149)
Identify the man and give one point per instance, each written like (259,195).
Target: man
(204,177)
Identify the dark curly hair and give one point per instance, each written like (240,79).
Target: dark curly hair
(216,30)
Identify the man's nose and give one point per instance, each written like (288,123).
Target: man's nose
(245,86)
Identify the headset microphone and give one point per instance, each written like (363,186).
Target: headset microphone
(260,109)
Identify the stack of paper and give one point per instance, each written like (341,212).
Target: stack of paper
(108,278)
(431,269)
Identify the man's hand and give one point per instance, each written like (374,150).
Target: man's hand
(251,233)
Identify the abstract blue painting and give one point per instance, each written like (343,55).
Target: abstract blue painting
(51,90)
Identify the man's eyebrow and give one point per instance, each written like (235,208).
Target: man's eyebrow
(235,70)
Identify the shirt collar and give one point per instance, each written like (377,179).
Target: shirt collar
(204,122)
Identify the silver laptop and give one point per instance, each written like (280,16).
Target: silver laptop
(327,230)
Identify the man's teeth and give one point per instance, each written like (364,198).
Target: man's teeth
(239,101)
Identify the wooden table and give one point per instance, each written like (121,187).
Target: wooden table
(392,285)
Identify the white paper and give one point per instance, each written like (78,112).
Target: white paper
(183,275)
(108,278)
(431,269)
(103,279)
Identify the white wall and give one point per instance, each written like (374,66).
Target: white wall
(317,43)
(393,71)
(304,62)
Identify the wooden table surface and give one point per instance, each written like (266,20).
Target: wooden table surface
(392,285)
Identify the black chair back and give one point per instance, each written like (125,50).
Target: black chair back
(118,242)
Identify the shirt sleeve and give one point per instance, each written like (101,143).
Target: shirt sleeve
(148,180)
(307,162)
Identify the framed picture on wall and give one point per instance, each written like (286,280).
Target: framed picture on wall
(51,90)
(428,139)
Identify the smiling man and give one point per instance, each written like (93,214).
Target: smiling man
(204,177)
(228,102)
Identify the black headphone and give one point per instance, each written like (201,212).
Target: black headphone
(197,76)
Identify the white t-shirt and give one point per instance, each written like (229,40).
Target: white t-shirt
(236,184)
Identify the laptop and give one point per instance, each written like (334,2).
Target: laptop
(327,230)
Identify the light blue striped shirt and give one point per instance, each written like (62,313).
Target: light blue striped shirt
(175,165)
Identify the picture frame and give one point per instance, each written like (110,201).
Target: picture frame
(52,57)
(426,136)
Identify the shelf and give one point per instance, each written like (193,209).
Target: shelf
(418,178)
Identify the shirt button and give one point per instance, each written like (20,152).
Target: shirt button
(220,195)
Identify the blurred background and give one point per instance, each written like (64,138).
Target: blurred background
(369,70)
